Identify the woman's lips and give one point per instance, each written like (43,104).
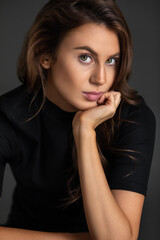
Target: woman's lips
(92,96)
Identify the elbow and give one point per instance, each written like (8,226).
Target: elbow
(124,237)
(115,236)
(128,237)
(123,233)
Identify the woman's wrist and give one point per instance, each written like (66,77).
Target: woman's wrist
(84,131)
(82,134)
(87,131)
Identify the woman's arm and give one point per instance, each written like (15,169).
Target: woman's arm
(109,215)
(19,234)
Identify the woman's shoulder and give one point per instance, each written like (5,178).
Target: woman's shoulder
(136,136)
(14,111)
(15,104)
(11,100)
(137,122)
(10,109)
(141,112)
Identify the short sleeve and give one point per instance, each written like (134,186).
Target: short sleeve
(7,147)
(130,167)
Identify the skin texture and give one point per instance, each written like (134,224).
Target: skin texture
(69,76)
(110,215)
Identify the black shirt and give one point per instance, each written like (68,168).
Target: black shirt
(39,152)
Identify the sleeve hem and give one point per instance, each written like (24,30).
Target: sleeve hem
(132,187)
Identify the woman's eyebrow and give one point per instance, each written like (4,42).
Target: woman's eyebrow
(94,52)
(88,49)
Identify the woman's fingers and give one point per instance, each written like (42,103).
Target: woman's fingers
(117,98)
(108,104)
(102,98)
(111,97)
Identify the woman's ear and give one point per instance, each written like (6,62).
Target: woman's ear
(45,61)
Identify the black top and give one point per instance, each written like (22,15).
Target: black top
(39,152)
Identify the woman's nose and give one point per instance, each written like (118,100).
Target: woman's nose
(98,76)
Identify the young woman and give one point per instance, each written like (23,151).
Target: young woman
(78,139)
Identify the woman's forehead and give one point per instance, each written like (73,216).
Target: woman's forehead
(94,36)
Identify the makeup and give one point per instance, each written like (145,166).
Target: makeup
(92,96)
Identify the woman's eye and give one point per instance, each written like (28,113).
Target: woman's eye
(85,58)
(111,61)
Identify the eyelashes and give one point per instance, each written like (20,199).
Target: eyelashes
(87,59)
(83,58)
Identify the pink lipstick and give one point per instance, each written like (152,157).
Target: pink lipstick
(92,96)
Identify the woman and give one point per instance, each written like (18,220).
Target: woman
(78,139)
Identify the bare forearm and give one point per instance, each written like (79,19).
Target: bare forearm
(19,234)
(105,218)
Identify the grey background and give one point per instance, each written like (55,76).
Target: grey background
(143,19)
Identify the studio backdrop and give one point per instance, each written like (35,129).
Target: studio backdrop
(143,19)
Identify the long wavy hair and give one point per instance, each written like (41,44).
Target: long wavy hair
(51,25)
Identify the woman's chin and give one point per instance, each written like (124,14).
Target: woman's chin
(87,106)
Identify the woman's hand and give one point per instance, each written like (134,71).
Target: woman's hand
(89,119)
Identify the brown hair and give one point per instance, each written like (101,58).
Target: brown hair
(52,23)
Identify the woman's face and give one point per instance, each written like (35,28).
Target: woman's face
(86,62)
